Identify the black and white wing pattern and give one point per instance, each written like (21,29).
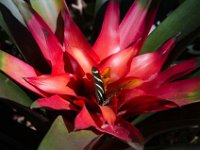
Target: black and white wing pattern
(99,88)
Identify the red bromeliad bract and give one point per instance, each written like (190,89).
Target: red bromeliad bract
(132,84)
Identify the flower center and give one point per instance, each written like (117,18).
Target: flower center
(105,75)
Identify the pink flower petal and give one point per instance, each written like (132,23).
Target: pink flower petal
(108,114)
(55,84)
(180,92)
(142,104)
(47,41)
(54,102)
(124,83)
(72,65)
(56,52)
(147,66)
(127,95)
(79,103)
(108,41)
(173,73)
(84,120)
(137,21)
(73,37)
(44,9)
(83,58)
(118,63)
(17,70)
(125,131)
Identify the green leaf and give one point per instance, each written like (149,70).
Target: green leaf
(196,74)
(98,5)
(13,9)
(58,138)
(49,10)
(141,118)
(184,20)
(179,147)
(80,139)
(173,119)
(21,37)
(9,90)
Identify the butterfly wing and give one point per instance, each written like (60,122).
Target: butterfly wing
(99,88)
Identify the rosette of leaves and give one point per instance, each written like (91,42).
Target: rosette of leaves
(74,95)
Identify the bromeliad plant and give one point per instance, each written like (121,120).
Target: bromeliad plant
(97,87)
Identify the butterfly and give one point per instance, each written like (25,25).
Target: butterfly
(99,88)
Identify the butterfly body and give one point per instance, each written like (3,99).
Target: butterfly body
(99,88)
